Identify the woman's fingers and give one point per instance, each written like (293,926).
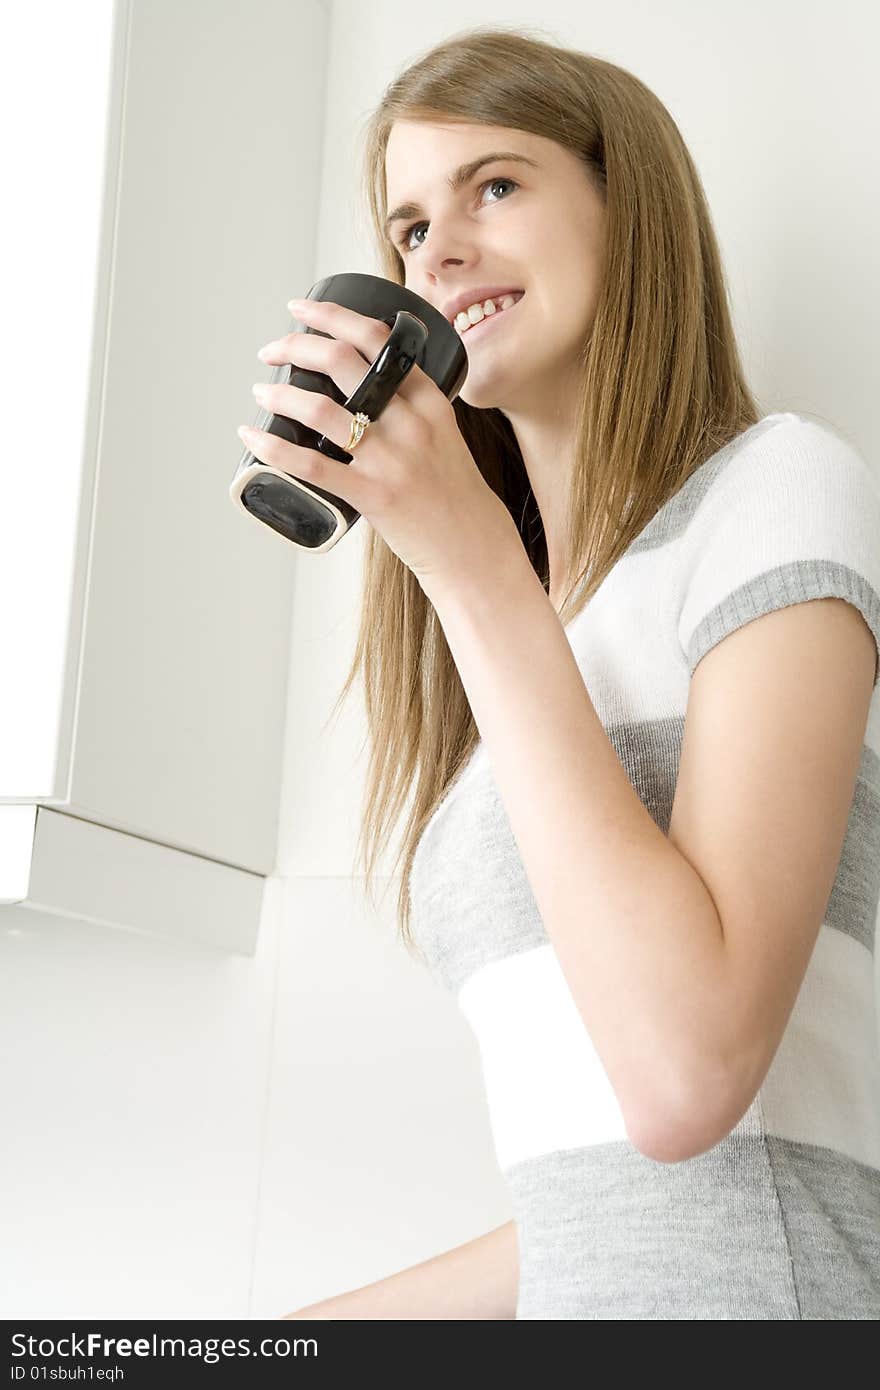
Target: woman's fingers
(355,342)
(366,335)
(313,408)
(341,361)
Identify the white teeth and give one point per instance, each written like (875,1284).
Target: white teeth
(465,317)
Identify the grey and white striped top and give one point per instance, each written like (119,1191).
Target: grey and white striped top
(782,1218)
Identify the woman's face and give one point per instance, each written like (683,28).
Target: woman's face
(536,227)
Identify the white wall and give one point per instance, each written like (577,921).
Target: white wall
(199,1138)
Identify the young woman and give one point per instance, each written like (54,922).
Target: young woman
(620,639)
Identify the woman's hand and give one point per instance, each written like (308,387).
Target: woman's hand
(412,475)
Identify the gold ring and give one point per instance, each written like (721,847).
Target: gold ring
(358,426)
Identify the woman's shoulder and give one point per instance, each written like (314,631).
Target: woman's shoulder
(787,471)
(788,446)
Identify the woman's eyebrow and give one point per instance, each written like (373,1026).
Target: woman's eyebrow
(458,178)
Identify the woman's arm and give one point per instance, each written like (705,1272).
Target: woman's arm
(634,927)
(477,1280)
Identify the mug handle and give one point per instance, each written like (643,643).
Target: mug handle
(391,365)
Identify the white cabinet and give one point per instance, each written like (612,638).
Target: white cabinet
(166,216)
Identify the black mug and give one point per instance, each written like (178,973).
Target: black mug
(294,508)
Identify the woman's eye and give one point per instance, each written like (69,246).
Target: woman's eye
(403,239)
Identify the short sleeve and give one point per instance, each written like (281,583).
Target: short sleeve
(793,516)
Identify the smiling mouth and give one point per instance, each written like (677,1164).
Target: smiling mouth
(481,325)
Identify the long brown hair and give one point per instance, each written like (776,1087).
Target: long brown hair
(663,387)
